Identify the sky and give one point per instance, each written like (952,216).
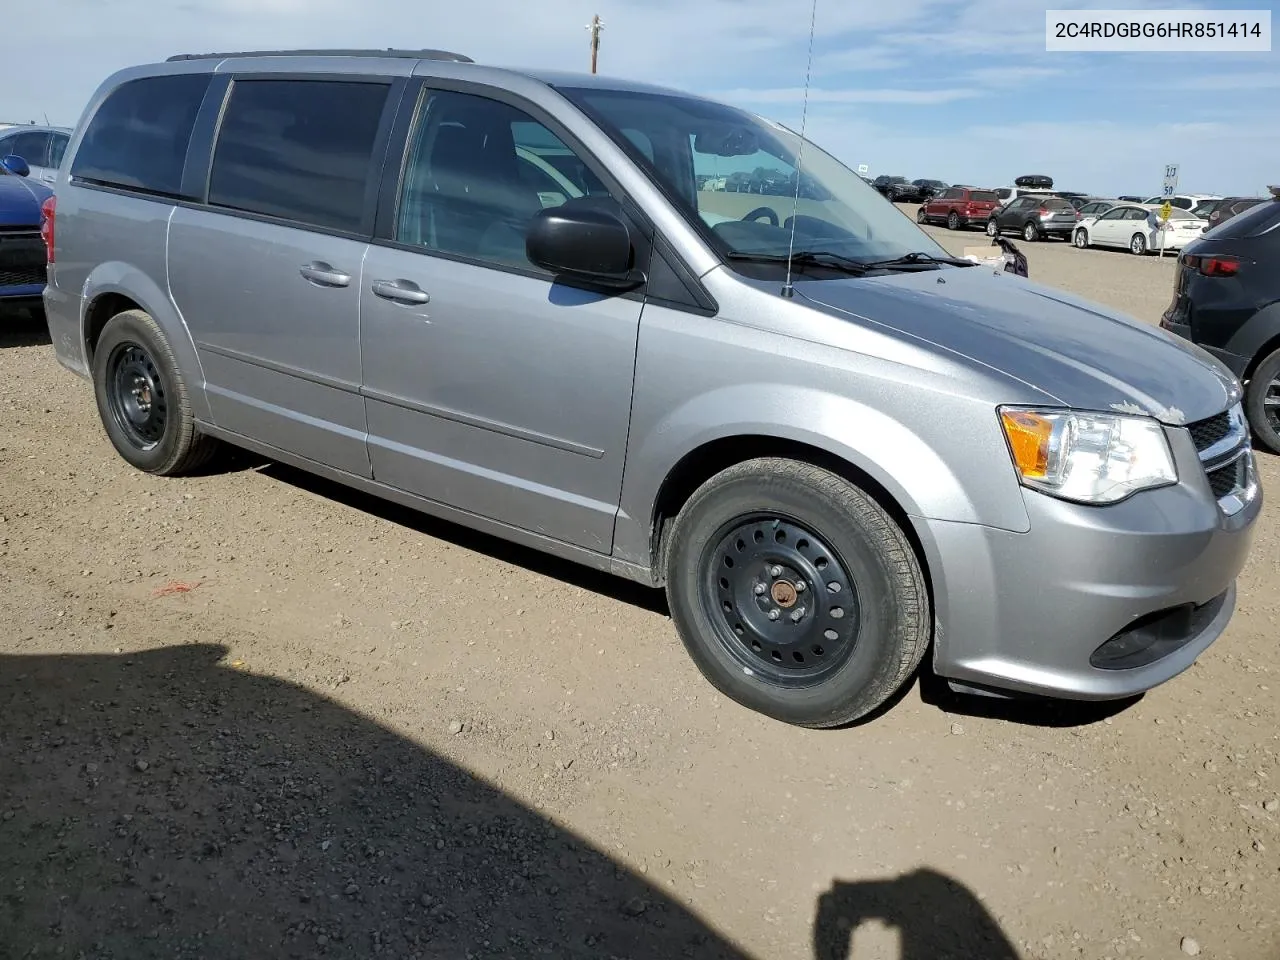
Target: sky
(957,90)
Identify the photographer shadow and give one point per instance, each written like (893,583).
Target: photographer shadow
(937,918)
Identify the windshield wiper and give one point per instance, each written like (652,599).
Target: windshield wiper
(916,258)
(807,258)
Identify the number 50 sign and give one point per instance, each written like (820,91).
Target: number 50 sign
(1170,179)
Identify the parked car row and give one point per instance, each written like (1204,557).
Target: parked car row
(1037,213)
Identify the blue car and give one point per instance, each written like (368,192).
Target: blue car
(22,248)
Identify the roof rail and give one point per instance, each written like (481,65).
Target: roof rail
(389,52)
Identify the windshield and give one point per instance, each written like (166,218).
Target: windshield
(734,176)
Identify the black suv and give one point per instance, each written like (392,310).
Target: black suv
(1226,299)
(897,189)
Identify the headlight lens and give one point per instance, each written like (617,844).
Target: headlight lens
(1087,457)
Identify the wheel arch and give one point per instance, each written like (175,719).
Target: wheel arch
(1258,338)
(114,287)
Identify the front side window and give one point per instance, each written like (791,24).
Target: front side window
(32,147)
(301,150)
(138,138)
(478,170)
(734,177)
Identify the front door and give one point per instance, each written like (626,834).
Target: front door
(268,276)
(489,387)
(1107,228)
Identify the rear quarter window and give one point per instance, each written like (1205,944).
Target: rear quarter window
(989,195)
(1253,222)
(138,137)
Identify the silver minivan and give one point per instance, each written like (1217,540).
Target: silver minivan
(663,337)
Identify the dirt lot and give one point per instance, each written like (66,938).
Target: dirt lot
(363,733)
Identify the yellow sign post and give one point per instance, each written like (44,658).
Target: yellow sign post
(1166,210)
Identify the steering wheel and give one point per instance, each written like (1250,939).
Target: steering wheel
(759,212)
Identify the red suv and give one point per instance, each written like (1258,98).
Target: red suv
(959,207)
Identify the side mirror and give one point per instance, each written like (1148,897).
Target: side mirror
(15,165)
(582,241)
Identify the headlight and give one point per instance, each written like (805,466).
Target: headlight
(1087,457)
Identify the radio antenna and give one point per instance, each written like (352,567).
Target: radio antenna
(787,289)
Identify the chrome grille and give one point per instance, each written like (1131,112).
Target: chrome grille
(1223,445)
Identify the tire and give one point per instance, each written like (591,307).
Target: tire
(953,221)
(824,663)
(151,426)
(1138,245)
(920,215)
(1081,239)
(1030,232)
(993,228)
(1262,402)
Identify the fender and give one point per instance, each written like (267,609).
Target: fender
(1259,330)
(128,281)
(913,473)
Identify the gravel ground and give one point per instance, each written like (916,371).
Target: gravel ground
(252,714)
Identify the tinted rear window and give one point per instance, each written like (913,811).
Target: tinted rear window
(301,150)
(138,137)
(1250,223)
(984,195)
(1053,203)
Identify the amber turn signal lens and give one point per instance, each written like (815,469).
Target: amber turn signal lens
(1028,435)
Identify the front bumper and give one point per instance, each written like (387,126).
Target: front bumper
(1029,612)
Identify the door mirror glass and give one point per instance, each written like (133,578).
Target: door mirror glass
(584,240)
(15,165)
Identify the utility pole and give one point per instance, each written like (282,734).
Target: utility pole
(595,26)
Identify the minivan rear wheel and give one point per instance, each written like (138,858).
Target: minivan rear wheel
(795,593)
(1262,402)
(143,400)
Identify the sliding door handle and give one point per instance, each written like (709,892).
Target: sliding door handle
(401,291)
(324,275)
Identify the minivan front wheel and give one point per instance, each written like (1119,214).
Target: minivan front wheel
(795,593)
(1262,402)
(142,398)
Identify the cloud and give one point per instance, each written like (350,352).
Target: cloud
(1012,76)
(1225,82)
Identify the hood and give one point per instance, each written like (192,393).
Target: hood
(20,199)
(1076,353)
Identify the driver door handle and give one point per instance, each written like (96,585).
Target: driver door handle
(324,275)
(400,291)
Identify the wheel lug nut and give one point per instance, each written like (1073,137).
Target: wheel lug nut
(774,614)
(775,571)
(797,615)
(759,589)
(800,588)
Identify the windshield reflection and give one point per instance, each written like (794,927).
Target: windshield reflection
(735,177)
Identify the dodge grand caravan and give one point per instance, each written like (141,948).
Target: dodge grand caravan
(519,301)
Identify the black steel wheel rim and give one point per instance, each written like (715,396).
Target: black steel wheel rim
(136,396)
(780,600)
(1271,405)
